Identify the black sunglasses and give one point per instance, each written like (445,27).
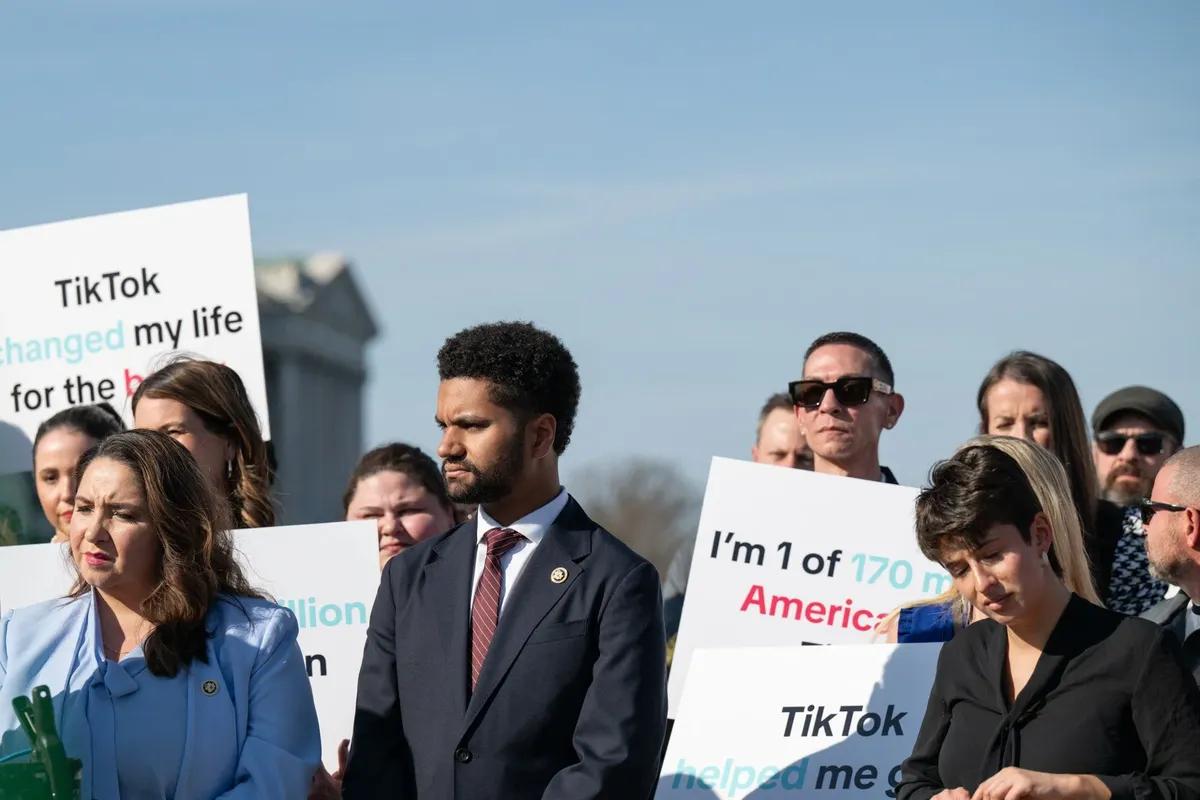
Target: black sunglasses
(1148,444)
(1149,507)
(850,391)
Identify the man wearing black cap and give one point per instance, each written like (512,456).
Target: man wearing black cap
(1136,429)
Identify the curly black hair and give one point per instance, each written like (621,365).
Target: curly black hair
(530,370)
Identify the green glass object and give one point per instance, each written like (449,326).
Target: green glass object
(48,774)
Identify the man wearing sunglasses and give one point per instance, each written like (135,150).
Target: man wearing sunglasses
(844,403)
(1136,430)
(1172,524)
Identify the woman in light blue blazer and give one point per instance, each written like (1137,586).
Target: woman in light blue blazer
(171,676)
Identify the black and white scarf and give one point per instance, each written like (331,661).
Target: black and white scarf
(1132,589)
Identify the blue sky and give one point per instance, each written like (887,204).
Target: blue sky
(687,193)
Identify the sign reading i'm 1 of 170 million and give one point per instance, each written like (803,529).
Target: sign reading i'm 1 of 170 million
(789,557)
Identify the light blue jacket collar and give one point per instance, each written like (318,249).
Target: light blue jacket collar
(87,728)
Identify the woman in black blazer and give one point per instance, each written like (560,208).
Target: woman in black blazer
(1050,697)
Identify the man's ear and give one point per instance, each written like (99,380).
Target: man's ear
(895,409)
(541,431)
(754,452)
(1191,533)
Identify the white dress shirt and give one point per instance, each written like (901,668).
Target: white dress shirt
(532,526)
(1192,623)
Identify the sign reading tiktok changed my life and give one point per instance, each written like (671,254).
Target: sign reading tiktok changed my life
(809,721)
(791,557)
(326,574)
(90,306)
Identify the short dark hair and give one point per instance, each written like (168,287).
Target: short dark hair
(879,358)
(405,459)
(776,402)
(530,371)
(96,422)
(976,489)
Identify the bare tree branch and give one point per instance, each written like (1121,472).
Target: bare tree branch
(647,503)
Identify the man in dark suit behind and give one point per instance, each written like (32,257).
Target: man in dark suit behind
(520,654)
(1172,525)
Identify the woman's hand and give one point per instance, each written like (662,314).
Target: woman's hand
(952,794)
(329,787)
(1022,784)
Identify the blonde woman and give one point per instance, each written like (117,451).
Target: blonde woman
(937,619)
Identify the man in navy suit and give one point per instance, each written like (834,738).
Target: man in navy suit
(520,654)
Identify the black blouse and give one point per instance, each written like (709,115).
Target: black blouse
(1109,697)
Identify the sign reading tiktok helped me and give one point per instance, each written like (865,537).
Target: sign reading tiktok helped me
(91,305)
(790,557)
(326,574)
(824,720)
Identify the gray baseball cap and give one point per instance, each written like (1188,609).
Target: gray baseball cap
(1149,403)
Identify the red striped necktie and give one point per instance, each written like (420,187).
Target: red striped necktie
(485,613)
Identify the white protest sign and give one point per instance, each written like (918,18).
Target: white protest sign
(326,574)
(811,720)
(92,305)
(32,573)
(788,557)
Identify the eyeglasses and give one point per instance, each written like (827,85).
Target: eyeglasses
(850,391)
(1150,507)
(1148,444)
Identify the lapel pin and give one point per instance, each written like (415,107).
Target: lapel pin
(209,688)
(558,575)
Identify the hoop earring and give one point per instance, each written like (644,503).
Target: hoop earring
(229,469)
(1046,559)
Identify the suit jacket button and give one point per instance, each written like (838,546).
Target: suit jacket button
(462,755)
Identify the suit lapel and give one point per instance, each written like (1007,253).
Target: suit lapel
(1177,622)
(1172,615)
(1190,644)
(447,586)
(211,707)
(1191,653)
(1168,613)
(83,625)
(567,542)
